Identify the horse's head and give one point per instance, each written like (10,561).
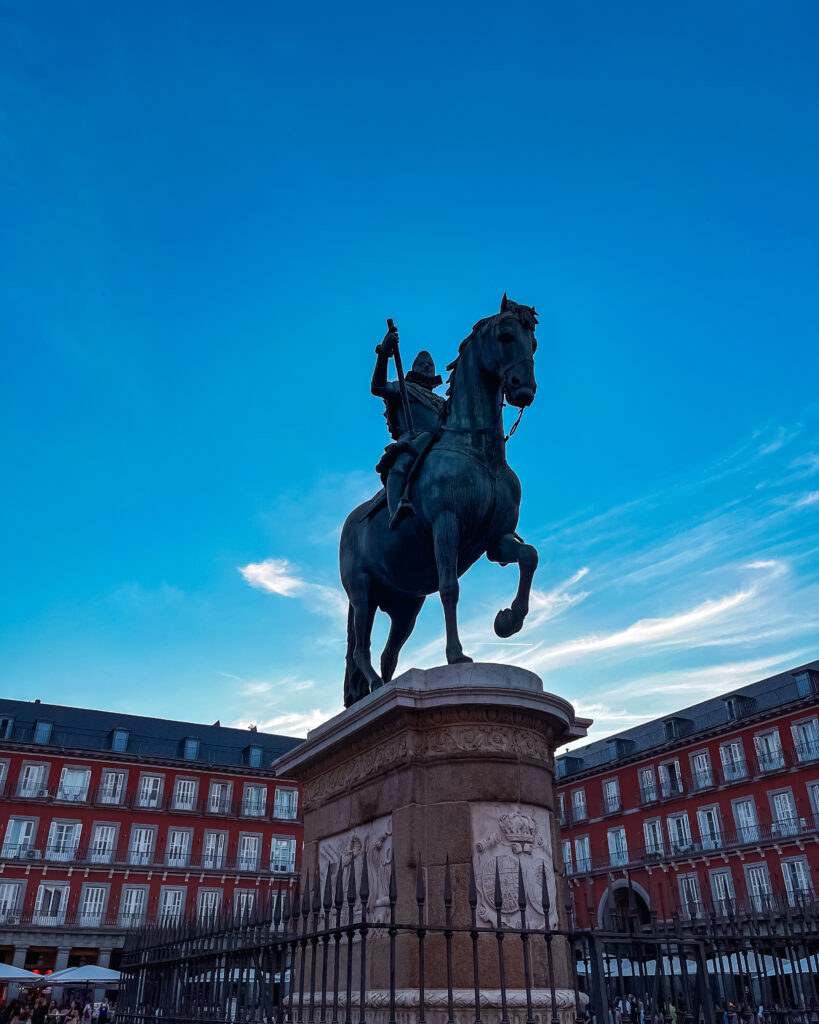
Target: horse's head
(508,350)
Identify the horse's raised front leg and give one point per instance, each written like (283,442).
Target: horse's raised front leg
(445,539)
(511,549)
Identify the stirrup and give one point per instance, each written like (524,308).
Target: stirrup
(404,511)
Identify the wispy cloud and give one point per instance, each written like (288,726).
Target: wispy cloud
(807,499)
(288,723)
(279,576)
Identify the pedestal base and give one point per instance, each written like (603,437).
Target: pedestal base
(445,769)
(436,1006)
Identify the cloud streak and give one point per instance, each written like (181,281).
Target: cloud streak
(279,576)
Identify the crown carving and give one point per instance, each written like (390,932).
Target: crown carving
(518,828)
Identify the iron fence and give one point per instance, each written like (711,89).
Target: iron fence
(326,955)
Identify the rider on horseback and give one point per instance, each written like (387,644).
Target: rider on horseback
(410,442)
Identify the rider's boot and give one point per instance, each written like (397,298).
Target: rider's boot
(399,505)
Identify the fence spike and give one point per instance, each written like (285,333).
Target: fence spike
(339,893)
(328,888)
(393,881)
(544,892)
(473,887)
(447,884)
(364,887)
(420,884)
(521,889)
(277,908)
(351,883)
(498,890)
(305,899)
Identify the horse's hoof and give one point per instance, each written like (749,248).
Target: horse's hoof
(376,684)
(506,623)
(459,659)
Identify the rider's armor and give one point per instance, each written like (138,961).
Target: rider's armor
(396,467)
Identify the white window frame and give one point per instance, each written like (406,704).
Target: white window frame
(244,860)
(100,852)
(580,810)
(63,840)
(647,782)
(220,804)
(759,896)
(178,847)
(11,899)
(208,902)
(617,846)
(582,854)
(611,804)
(191,787)
(74,792)
(710,838)
(109,793)
(679,843)
(748,832)
(723,893)
(55,913)
(32,781)
(807,748)
(141,854)
(256,808)
(733,760)
(214,846)
(172,902)
(690,894)
(24,841)
(671,784)
(286,803)
(653,837)
(769,760)
(566,849)
(133,902)
(92,910)
(702,777)
(281,863)
(805,889)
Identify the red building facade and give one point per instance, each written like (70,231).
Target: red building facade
(108,821)
(714,807)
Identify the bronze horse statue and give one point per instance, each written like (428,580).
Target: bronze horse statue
(467,500)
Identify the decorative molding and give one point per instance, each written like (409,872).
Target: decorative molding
(488,732)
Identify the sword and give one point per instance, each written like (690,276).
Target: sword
(402,387)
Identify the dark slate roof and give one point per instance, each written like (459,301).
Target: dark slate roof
(765,695)
(86,729)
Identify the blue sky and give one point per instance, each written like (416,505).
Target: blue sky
(210,209)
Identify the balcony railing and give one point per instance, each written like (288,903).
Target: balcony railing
(734,771)
(166,803)
(131,857)
(701,846)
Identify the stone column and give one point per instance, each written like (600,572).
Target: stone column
(20,956)
(453,763)
(104,956)
(61,961)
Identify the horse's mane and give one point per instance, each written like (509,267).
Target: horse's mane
(525,315)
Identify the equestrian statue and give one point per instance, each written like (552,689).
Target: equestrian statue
(449,495)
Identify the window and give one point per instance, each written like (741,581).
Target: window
(119,743)
(648,785)
(805,683)
(722,891)
(191,749)
(42,731)
(283,854)
(113,787)
(701,770)
(611,795)
(132,906)
(797,880)
(4,771)
(213,851)
(653,834)
(171,904)
(74,784)
(10,902)
(253,755)
(150,786)
(32,781)
(209,900)
(567,855)
(561,808)
(142,845)
(618,848)
(690,899)
(285,804)
(63,840)
(579,805)
(6,728)
(19,837)
(759,886)
(582,853)
(710,828)
(248,859)
(52,898)
(179,842)
(670,779)
(769,754)
(243,902)
(254,801)
(784,814)
(679,833)
(184,797)
(806,739)
(92,906)
(813,796)
(102,843)
(746,821)
(732,756)
(219,798)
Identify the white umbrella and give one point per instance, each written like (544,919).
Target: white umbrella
(91,974)
(10,973)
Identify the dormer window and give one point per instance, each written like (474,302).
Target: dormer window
(6,728)
(807,683)
(119,740)
(253,756)
(737,706)
(191,749)
(42,731)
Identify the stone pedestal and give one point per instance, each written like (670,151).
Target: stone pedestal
(449,763)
